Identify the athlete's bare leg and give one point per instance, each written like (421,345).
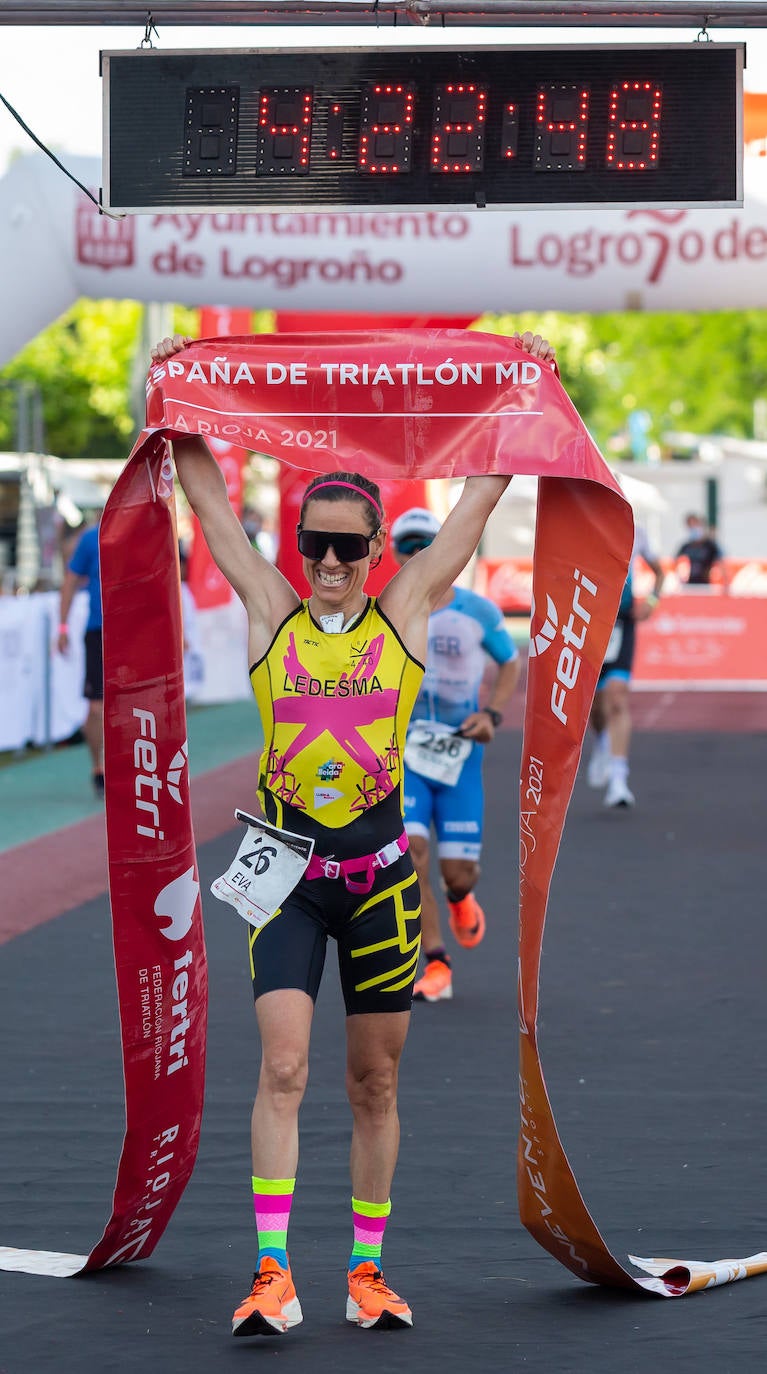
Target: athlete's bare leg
(617,710)
(93,729)
(374,1045)
(459,877)
(284,1022)
(597,719)
(618,716)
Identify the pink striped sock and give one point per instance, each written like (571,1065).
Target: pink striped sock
(272,1200)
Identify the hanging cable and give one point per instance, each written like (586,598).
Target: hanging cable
(60,165)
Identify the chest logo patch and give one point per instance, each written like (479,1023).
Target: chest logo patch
(330,771)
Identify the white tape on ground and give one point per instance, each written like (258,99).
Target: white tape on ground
(52,1262)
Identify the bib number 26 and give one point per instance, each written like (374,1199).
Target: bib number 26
(268,864)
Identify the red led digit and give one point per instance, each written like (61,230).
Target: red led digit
(561,128)
(386,127)
(509,130)
(284,131)
(458,127)
(633,126)
(335,133)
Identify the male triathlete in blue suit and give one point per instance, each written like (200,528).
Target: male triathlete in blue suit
(443,757)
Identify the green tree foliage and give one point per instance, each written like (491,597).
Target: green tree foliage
(695,372)
(81,365)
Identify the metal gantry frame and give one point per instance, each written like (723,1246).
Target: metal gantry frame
(391,13)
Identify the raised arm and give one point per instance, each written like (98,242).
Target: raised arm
(267,596)
(418,587)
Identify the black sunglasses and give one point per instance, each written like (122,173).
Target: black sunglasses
(348,548)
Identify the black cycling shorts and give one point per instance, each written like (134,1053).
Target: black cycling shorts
(620,652)
(378,936)
(93,687)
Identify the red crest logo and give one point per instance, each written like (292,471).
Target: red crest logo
(101,241)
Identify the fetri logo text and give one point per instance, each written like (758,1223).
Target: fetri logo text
(574,635)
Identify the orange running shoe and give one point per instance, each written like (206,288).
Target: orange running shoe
(436,985)
(371,1302)
(467,921)
(271,1305)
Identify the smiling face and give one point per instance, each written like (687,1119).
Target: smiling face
(338,586)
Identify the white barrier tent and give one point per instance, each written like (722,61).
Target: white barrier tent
(446,262)
(41,700)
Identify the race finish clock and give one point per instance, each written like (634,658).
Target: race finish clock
(423,128)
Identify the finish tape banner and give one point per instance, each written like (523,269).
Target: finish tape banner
(153,881)
(412,404)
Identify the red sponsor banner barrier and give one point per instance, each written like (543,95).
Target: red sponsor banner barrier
(715,640)
(509,581)
(506,581)
(417,405)
(696,635)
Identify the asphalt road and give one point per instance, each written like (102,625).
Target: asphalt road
(652,1027)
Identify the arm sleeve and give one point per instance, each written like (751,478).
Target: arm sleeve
(496,640)
(642,546)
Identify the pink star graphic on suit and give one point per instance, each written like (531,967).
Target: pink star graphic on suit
(341,717)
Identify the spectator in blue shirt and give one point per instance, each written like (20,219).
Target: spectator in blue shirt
(83,571)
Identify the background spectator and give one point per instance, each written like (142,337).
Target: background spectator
(702,552)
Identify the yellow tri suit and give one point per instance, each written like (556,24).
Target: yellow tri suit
(334,710)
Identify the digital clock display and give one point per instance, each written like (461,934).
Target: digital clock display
(424,127)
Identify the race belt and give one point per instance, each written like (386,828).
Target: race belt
(367,864)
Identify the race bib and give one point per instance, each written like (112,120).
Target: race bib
(265,869)
(436,752)
(614,644)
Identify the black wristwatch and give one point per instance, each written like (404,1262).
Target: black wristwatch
(495,716)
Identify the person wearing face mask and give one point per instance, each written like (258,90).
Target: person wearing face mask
(702,552)
(335,676)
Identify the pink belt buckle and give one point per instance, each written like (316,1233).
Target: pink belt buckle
(331,868)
